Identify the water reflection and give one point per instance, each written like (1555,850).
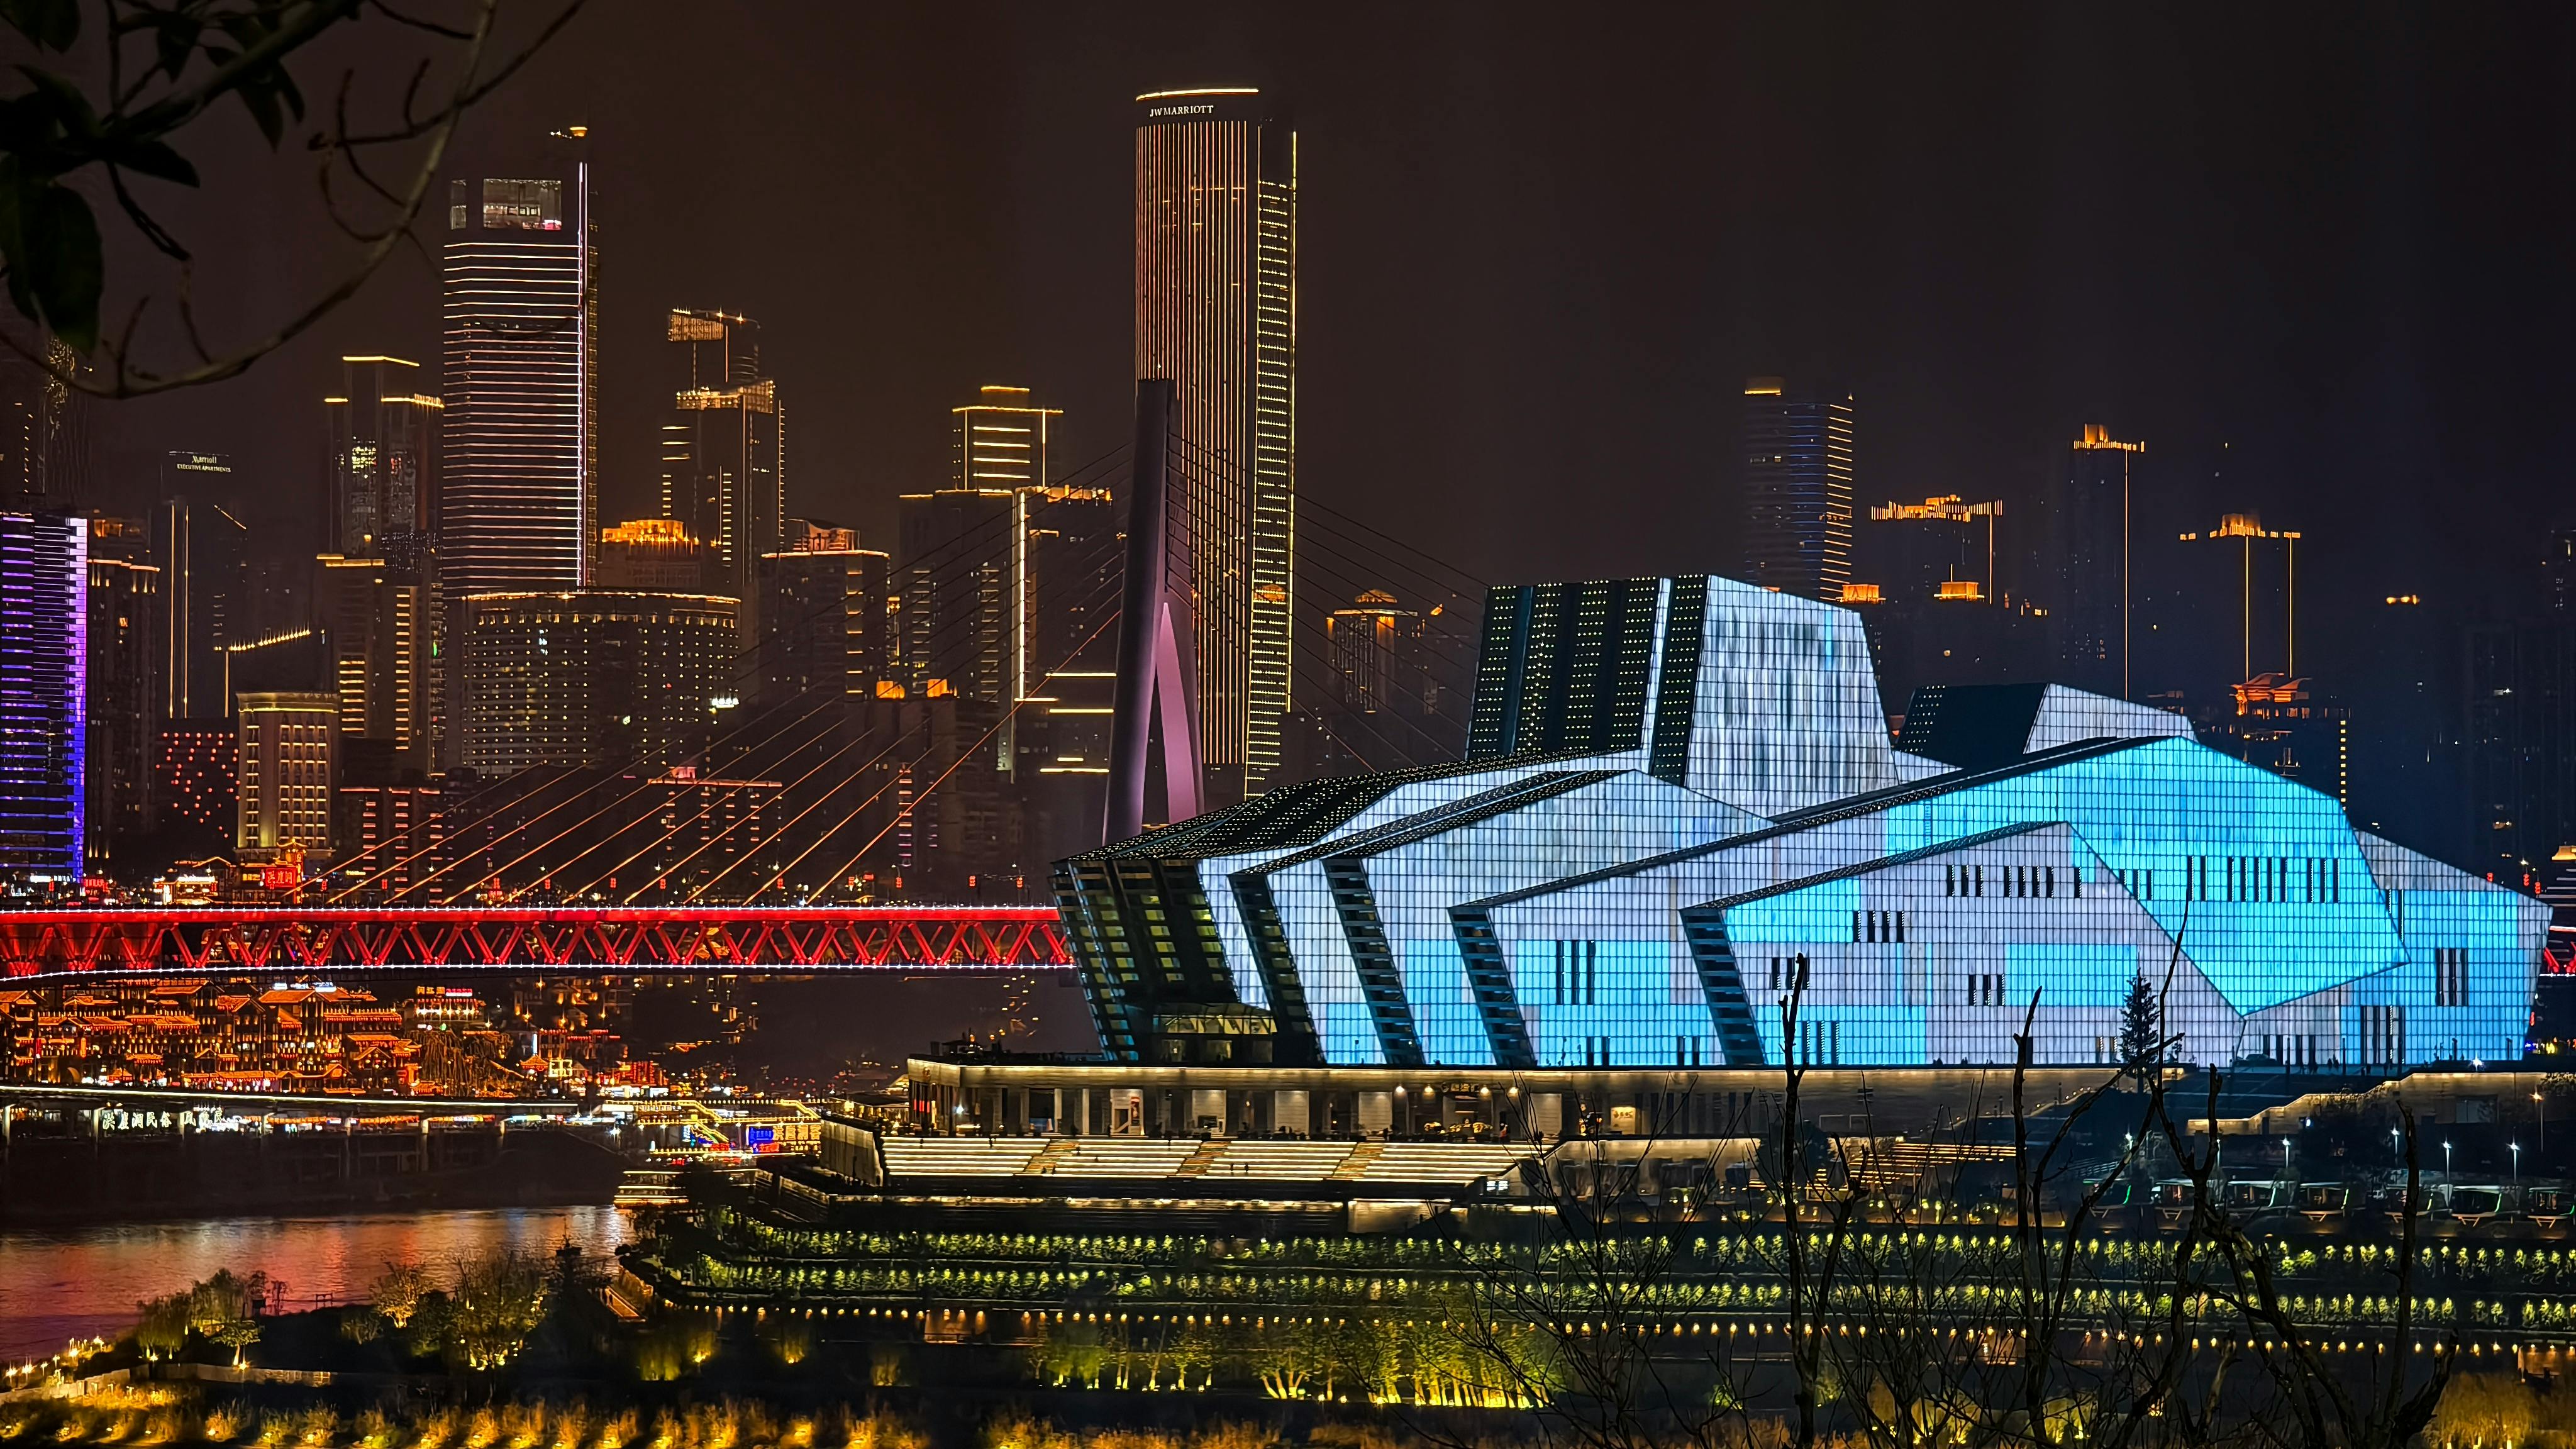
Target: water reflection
(58,1284)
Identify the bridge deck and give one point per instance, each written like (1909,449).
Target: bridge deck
(188,941)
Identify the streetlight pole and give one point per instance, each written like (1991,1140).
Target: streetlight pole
(2446,1159)
(2517,1160)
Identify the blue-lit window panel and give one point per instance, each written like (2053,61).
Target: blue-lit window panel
(1788,714)
(1638,997)
(2067,716)
(2306,1034)
(1415,832)
(1401,801)
(1345,1030)
(1416,880)
(2294,928)
(1959,987)
(2464,992)
(2170,805)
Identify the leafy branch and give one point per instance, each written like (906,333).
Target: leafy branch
(167,63)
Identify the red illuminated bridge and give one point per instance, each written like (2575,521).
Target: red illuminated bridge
(183,941)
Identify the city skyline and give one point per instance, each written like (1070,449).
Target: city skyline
(1025,317)
(2081,580)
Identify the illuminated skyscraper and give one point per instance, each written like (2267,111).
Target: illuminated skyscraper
(287,759)
(1368,642)
(519,440)
(369,597)
(1001,441)
(199,542)
(124,683)
(44,693)
(374,620)
(2085,563)
(958,585)
(724,466)
(383,491)
(1004,577)
(1216,312)
(1797,449)
(823,620)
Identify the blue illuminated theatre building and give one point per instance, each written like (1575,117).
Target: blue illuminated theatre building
(1681,811)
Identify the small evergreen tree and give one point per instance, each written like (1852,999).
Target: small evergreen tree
(2142,1030)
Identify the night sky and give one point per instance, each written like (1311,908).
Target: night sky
(1540,250)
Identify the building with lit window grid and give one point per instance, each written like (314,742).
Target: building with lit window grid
(287,754)
(592,678)
(1216,312)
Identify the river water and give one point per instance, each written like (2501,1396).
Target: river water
(66,1283)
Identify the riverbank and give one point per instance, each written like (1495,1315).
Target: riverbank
(78,1281)
(141,1177)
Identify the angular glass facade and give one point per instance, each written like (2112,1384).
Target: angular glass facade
(1684,839)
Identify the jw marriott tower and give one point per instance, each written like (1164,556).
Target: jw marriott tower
(1216,312)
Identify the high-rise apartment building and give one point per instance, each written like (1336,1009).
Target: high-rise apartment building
(1001,440)
(959,587)
(1001,443)
(2256,569)
(287,759)
(724,462)
(715,349)
(1924,581)
(124,684)
(519,451)
(2282,725)
(823,621)
(1797,447)
(373,597)
(383,487)
(1072,563)
(377,624)
(2085,557)
(44,693)
(1216,312)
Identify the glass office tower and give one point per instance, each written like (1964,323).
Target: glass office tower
(1797,447)
(724,454)
(44,695)
(519,438)
(1216,312)
(383,499)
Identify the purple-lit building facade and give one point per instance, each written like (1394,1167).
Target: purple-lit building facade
(44,689)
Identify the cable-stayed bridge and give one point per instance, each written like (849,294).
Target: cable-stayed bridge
(822,788)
